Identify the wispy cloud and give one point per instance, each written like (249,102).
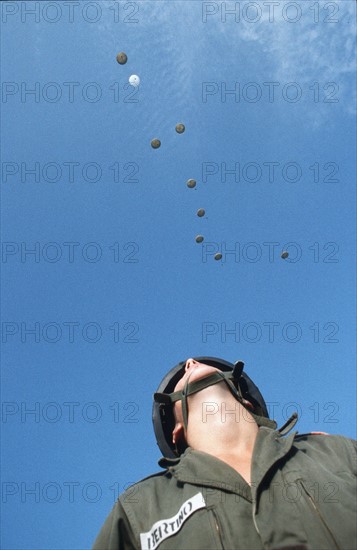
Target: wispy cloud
(319,45)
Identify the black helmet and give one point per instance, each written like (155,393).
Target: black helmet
(163,417)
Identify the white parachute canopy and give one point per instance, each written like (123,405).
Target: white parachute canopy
(134,80)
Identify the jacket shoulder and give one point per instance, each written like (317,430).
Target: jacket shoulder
(151,476)
(149,485)
(119,531)
(326,438)
(336,447)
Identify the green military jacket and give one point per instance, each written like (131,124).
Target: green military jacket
(302,497)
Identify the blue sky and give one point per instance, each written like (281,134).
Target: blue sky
(116,291)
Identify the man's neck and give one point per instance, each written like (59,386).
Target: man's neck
(223,428)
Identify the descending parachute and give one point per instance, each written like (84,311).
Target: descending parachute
(155,143)
(180,128)
(122,58)
(134,80)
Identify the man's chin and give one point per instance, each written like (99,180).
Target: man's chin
(202,372)
(197,373)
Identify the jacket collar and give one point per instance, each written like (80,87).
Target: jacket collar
(203,469)
(269,448)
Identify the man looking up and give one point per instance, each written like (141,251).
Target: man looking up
(232,480)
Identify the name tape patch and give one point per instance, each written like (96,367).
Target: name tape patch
(165,528)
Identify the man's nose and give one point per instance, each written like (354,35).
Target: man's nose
(190,363)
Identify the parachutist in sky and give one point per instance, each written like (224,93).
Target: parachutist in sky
(155,143)
(191,183)
(134,80)
(180,128)
(122,58)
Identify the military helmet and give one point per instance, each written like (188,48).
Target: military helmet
(163,416)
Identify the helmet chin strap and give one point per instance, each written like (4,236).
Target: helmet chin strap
(215,378)
(198,385)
